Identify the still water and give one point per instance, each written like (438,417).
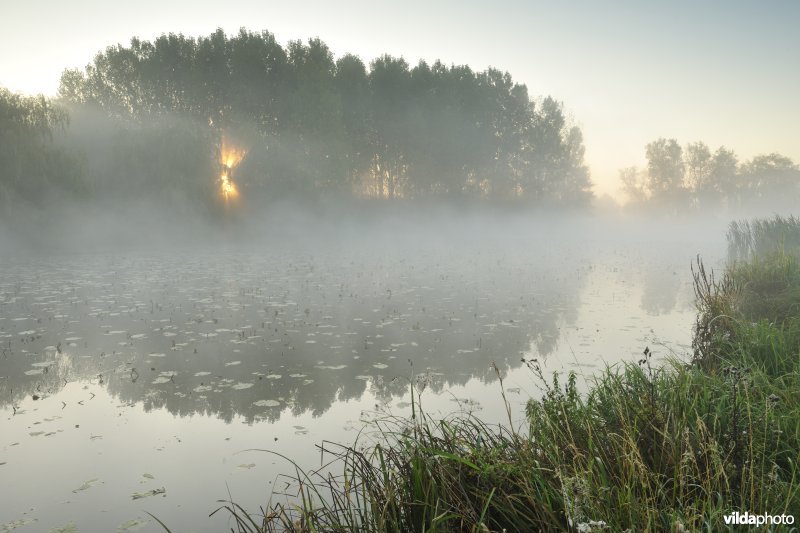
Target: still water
(153,381)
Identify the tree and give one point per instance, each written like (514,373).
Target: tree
(665,171)
(771,179)
(389,86)
(312,123)
(723,176)
(31,164)
(575,183)
(352,88)
(634,185)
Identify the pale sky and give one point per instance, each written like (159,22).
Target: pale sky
(628,72)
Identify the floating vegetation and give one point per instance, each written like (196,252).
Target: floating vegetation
(87,485)
(146,494)
(14,524)
(68,528)
(248,338)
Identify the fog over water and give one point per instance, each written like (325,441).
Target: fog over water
(217,252)
(157,361)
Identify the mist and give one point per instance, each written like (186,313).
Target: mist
(134,152)
(227,241)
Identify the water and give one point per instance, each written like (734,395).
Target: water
(155,381)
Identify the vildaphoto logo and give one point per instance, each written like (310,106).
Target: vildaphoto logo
(758,520)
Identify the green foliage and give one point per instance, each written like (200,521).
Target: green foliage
(32,164)
(320,125)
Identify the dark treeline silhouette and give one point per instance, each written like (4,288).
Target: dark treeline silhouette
(148,120)
(693,178)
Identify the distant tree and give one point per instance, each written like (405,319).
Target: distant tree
(723,176)
(258,76)
(352,88)
(771,178)
(212,75)
(313,124)
(547,149)
(511,118)
(72,86)
(665,173)
(697,162)
(634,185)
(548,166)
(389,84)
(694,177)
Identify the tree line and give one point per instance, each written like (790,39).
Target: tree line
(693,177)
(149,117)
(31,164)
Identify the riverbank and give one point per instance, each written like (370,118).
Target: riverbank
(671,446)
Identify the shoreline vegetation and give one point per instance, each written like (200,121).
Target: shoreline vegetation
(670,446)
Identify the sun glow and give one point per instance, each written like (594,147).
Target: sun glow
(229,158)
(227,186)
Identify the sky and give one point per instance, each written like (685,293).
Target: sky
(628,72)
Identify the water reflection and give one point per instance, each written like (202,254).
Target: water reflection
(254,334)
(116,366)
(661,287)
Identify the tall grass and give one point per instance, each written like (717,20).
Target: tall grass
(763,237)
(670,447)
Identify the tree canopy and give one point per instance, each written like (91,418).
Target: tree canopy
(314,124)
(692,178)
(30,162)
